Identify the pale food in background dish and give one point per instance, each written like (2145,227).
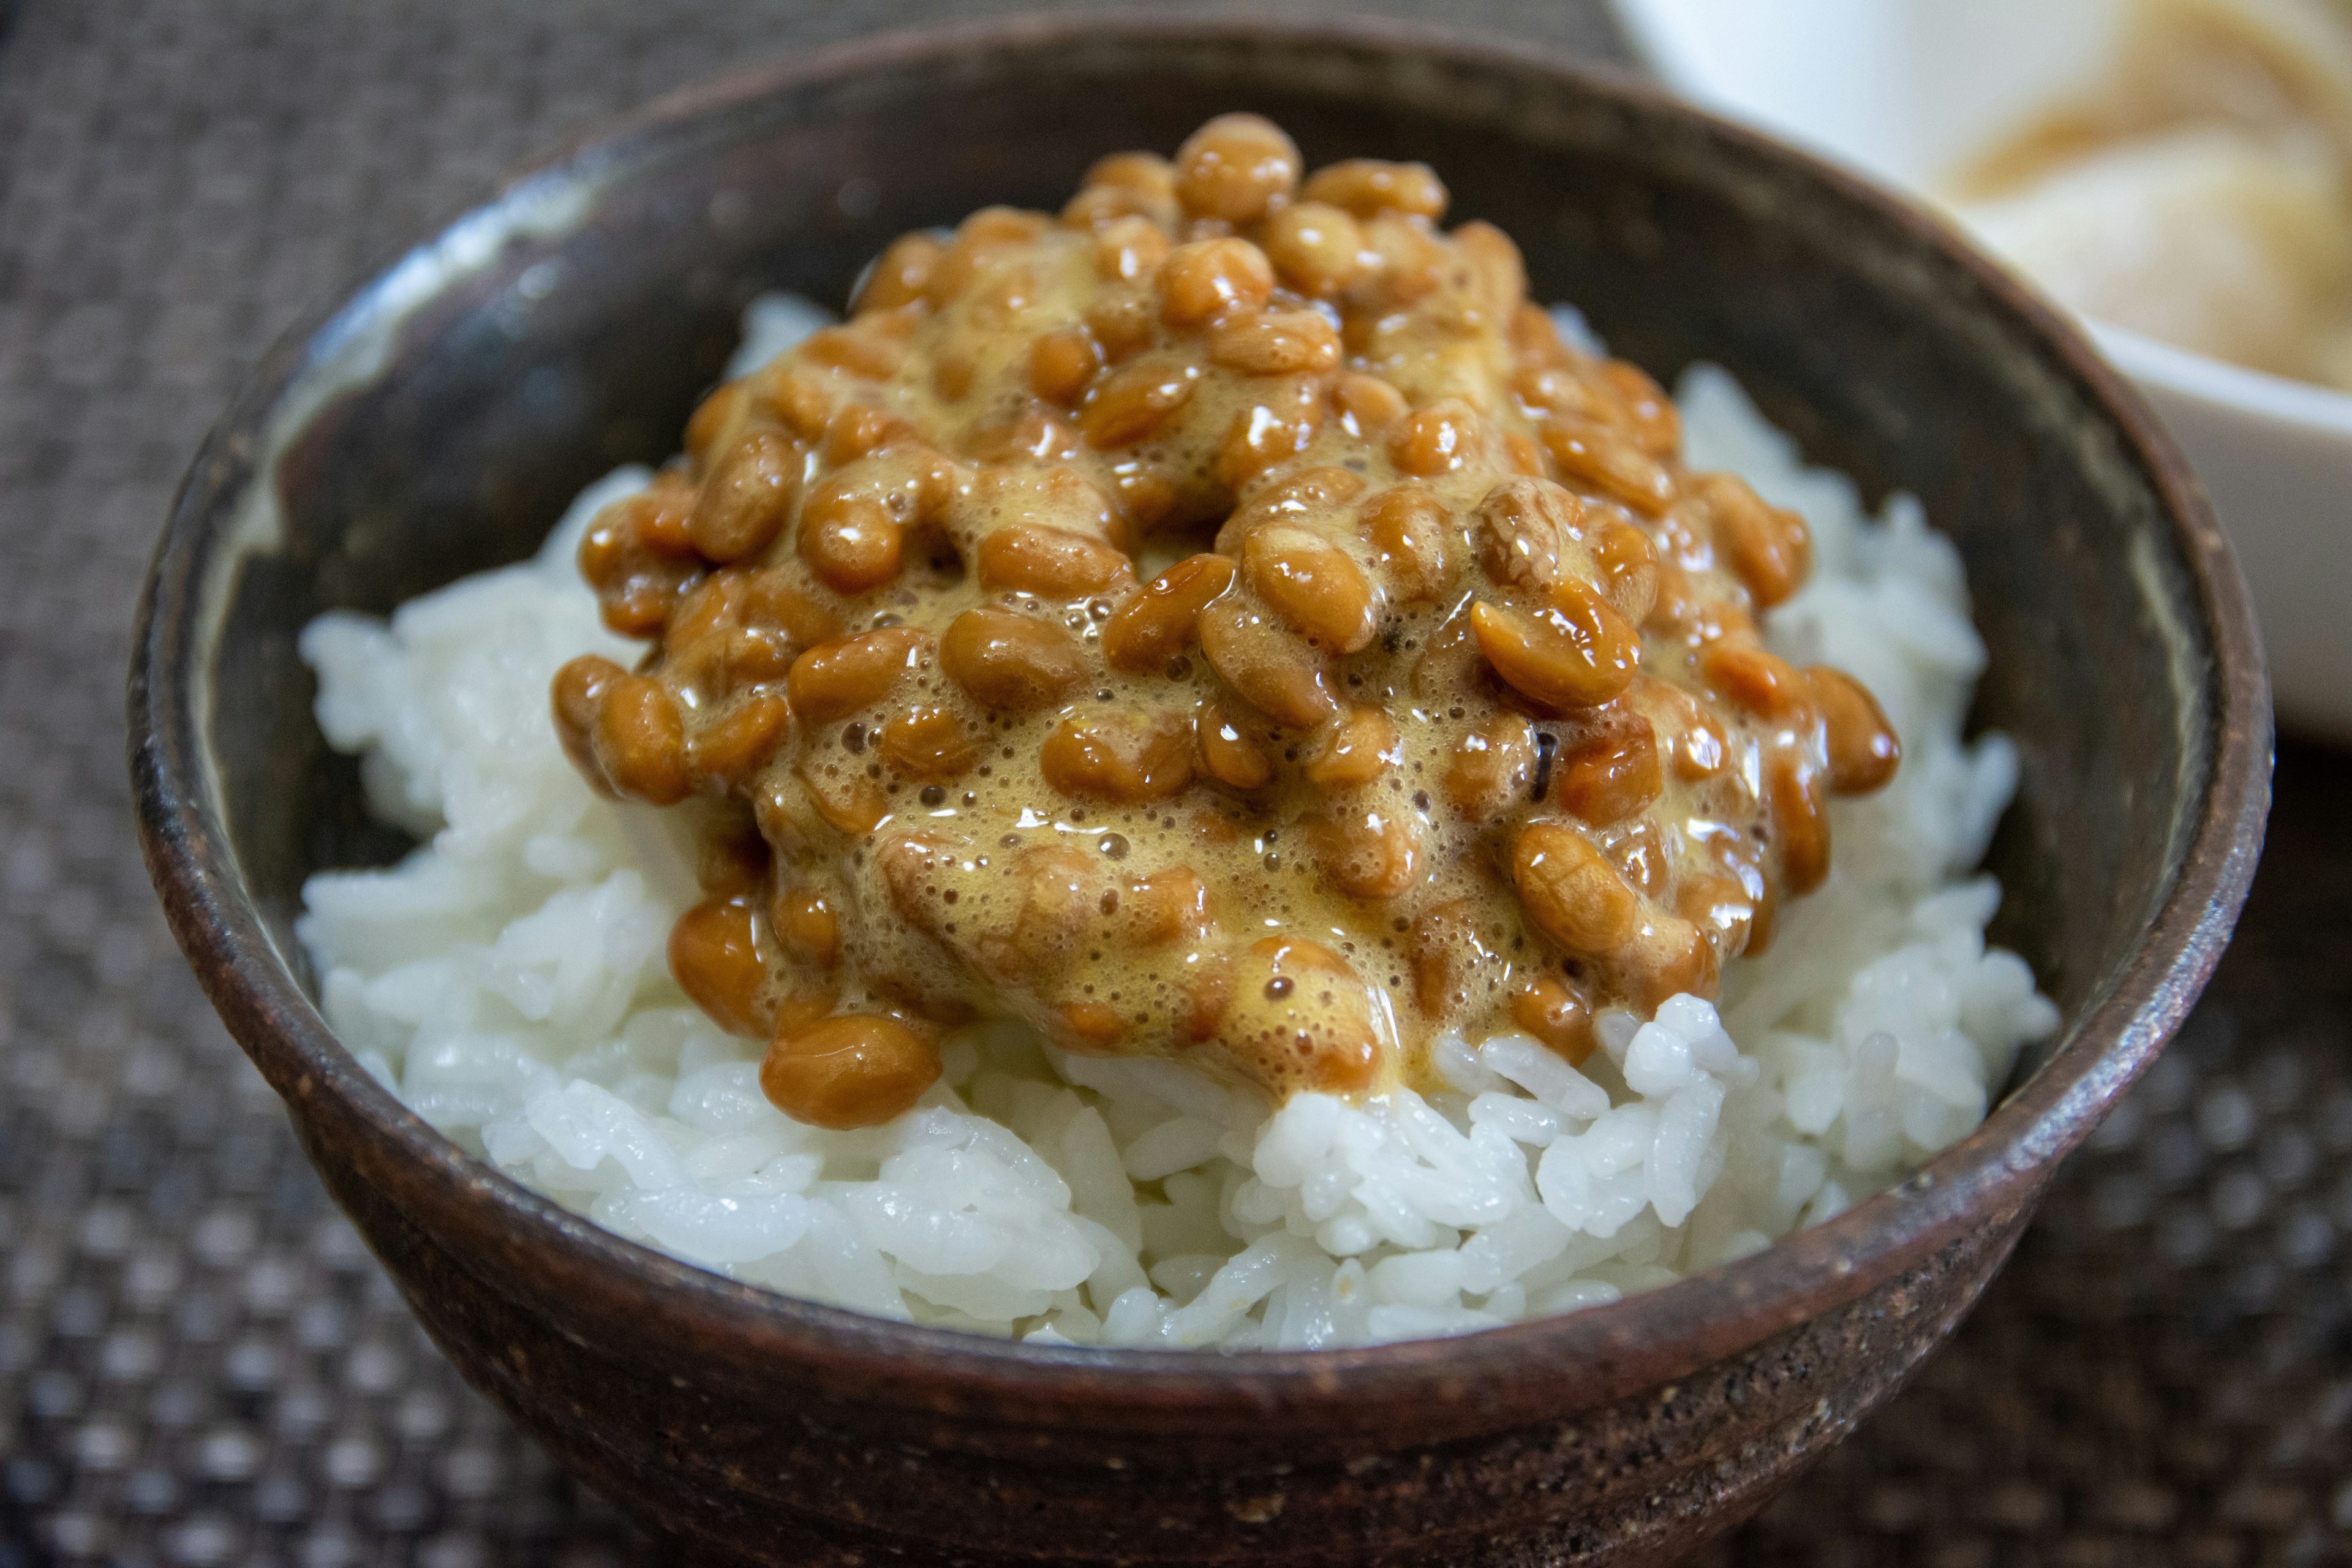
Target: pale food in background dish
(1468,1160)
(2199,189)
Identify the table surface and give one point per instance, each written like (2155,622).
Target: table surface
(200,1364)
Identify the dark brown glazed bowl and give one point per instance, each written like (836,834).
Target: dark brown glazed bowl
(437,422)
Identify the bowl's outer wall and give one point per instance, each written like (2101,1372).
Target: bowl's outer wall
(782,1476)
(2279,484)
(585,340)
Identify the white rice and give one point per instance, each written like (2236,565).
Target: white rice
(509,982)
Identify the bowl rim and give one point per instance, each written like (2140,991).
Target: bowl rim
(1605,1351)
(2305,407)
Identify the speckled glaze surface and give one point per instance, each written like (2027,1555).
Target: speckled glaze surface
(435,425)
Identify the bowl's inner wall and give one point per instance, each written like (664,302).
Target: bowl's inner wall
(506,395)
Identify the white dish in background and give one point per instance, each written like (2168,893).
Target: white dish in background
(1908,90)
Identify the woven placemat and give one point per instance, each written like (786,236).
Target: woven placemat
(199,1365)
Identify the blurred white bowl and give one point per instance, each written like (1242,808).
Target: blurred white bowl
(1906,91)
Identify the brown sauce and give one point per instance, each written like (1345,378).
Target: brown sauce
(1223,622)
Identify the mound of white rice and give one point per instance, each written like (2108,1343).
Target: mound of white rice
(509,981)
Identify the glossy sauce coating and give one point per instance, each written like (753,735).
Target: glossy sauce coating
(1223,621)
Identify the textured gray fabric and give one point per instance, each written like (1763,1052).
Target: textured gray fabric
(198,1362)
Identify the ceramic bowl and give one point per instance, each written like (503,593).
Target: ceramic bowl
(1906,91)
(436,423)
